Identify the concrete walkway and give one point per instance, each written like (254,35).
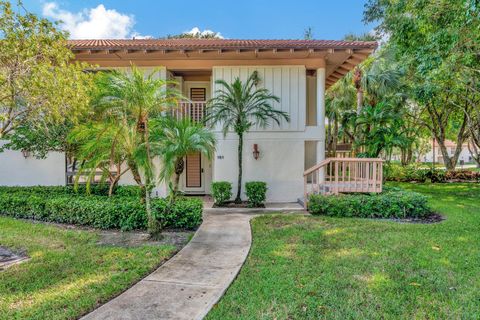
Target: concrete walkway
(189,284)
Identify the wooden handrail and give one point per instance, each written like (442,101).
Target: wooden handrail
(317,166)
(344,175)
(328,160)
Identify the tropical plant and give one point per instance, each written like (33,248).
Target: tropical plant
(366,108)
(380,128)
(173,140)
(104,146)
(239,106)
(128,101)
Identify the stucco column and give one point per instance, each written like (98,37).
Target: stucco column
(321,113)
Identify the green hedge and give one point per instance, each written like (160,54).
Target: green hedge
(417,173)
(126,213)
(392,203)
(98,190)
(410,173)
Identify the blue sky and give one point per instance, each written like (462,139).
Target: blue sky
(233,19)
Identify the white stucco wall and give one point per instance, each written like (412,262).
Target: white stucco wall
(280,165)
(16,170)
(282,148)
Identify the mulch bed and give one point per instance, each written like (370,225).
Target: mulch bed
(433,218)
(232,204)
(136,238)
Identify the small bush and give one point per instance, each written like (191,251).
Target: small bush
(256,193)
(125,213)
(392,203)
(437,175)
(221,192)
(186,213)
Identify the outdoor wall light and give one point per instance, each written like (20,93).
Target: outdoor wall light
(256,152)
(26,153)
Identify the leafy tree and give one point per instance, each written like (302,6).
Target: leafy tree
(40,137)
(173,140)
(196,34)
(360,37)
(39,83)
(239,106)
(438,43)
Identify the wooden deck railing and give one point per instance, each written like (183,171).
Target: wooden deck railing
(344,175)
(193,109)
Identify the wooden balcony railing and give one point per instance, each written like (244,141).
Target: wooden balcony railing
(193,109)
(344,175)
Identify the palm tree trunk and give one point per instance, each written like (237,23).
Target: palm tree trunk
(154,227)
(359,100)
(176,183)
(238,198)
(335,137)
(136,175)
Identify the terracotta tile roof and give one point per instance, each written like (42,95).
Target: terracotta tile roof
(161,44)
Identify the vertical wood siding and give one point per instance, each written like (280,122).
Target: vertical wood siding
(286,82)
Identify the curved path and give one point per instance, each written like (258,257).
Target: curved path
(189,284)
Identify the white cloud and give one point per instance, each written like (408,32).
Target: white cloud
(93,23)
(195,31)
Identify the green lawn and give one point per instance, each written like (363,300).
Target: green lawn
(303,267)
(68,273)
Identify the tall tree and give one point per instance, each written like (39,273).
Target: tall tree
(239,106)
(133,98)
(438,43)
(39,83)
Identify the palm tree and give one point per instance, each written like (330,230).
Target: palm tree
(381,128)
(239,106)
(173,140)
(103,146)
(132,98)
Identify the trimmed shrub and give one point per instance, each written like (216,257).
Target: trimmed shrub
(186,213)
(221,192)
(125,213)
(392,203)
(411,173)
(462,175)
(256,193)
